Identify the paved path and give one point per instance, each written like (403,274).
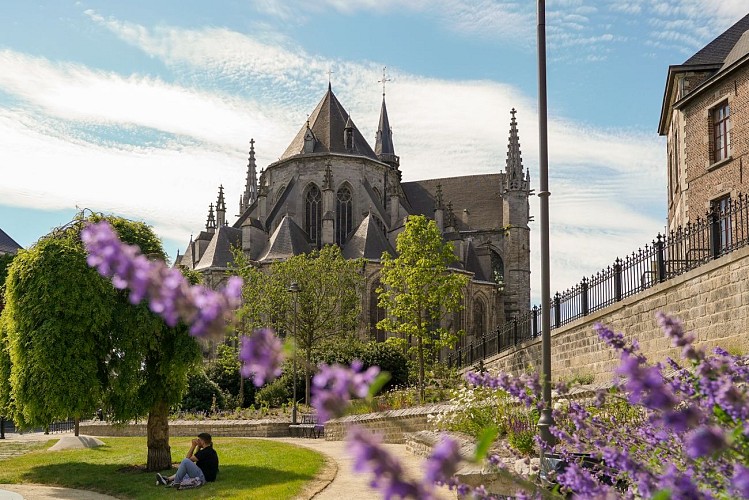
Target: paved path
(337,481)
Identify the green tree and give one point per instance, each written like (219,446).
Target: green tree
(328,302)
(418,290)
(75,342)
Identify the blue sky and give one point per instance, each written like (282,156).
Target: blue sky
(142,108)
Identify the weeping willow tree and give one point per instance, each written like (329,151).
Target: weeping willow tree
(74,343)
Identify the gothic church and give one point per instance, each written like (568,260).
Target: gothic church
(331,187)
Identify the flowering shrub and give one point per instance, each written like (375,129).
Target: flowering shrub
(474,409)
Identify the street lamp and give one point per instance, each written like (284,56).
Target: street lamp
(546,420)
(294,290)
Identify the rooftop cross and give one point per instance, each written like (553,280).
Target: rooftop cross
(384,80)
(330,72)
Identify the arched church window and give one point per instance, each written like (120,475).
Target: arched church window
(479,318)
(344,212)
(498,268)
(376,314)
(313,214)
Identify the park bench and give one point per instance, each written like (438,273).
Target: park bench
(308,427)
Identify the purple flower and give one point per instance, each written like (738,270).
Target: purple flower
(740,481)
(333,387)
(704,441)
(261,356)
(443,462)
(526,387)
(168,292)
(371,456)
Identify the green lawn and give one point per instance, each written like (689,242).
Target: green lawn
(250,468)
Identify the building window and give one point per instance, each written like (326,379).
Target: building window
(343,215)
(721,118)
(498,268)
(721,225)
(479,313)
(313,214)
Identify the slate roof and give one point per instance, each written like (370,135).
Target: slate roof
(480,194)
(286,241)
(471,263)
(737,52)
(8,244)
(368,241)
(384,141)
(716,51)
(218,253)
(327,122)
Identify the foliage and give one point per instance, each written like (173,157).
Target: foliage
(657,434)
(474,409)
(521,429)
(201,392)
(75,343)
(385,355)
(327,305)
(281,390)
(266,469)
(418,290)
(224,371)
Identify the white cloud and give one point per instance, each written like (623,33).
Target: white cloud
(600,180)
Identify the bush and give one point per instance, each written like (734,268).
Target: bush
(521,429)
(390,359)
(224,371)
(474,409)
(281,390)
(200,393)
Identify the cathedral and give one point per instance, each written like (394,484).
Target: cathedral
(330,187)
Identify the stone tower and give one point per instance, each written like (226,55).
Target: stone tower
(516,216)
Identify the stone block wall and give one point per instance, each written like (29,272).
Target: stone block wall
(187,428)
(712,301)
(393,425)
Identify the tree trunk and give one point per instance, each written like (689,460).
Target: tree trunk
(77,423)
(308,355)
(159,452)
(240,398)
(421,370)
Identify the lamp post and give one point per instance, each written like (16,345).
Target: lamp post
(546,420)
(294,290)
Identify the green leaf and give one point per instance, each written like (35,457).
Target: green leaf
(662,495)
(487,437)
(379,382)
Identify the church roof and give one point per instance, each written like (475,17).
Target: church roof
(384,144)
(479,194)
(716,51)
(471,262)
(8,244)
(286,241)
(368,241)
(219,250)
(327,123)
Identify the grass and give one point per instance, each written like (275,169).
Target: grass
(249,468)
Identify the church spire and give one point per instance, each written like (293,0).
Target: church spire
(210,224)
(384,148)
(514,178)
(250,187)
(220,208)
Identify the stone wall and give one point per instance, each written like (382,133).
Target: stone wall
(712,301)
(186,428)
(393,425)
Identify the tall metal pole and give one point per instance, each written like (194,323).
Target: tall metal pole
(546,420)
(294,289)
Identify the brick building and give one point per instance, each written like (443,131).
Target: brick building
(330,187)
(705,118)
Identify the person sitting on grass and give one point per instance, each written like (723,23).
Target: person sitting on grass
(197,467)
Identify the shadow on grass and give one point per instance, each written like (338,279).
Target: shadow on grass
(239,481)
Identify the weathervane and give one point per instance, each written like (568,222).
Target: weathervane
(384,80)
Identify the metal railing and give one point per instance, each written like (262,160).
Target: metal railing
(719,233)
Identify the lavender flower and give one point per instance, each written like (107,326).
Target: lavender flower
(704,441)
(261,356)
(333,387)
(443,462)
(371,456)
(740,481)
(168,292)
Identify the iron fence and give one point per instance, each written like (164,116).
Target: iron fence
(720,232)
